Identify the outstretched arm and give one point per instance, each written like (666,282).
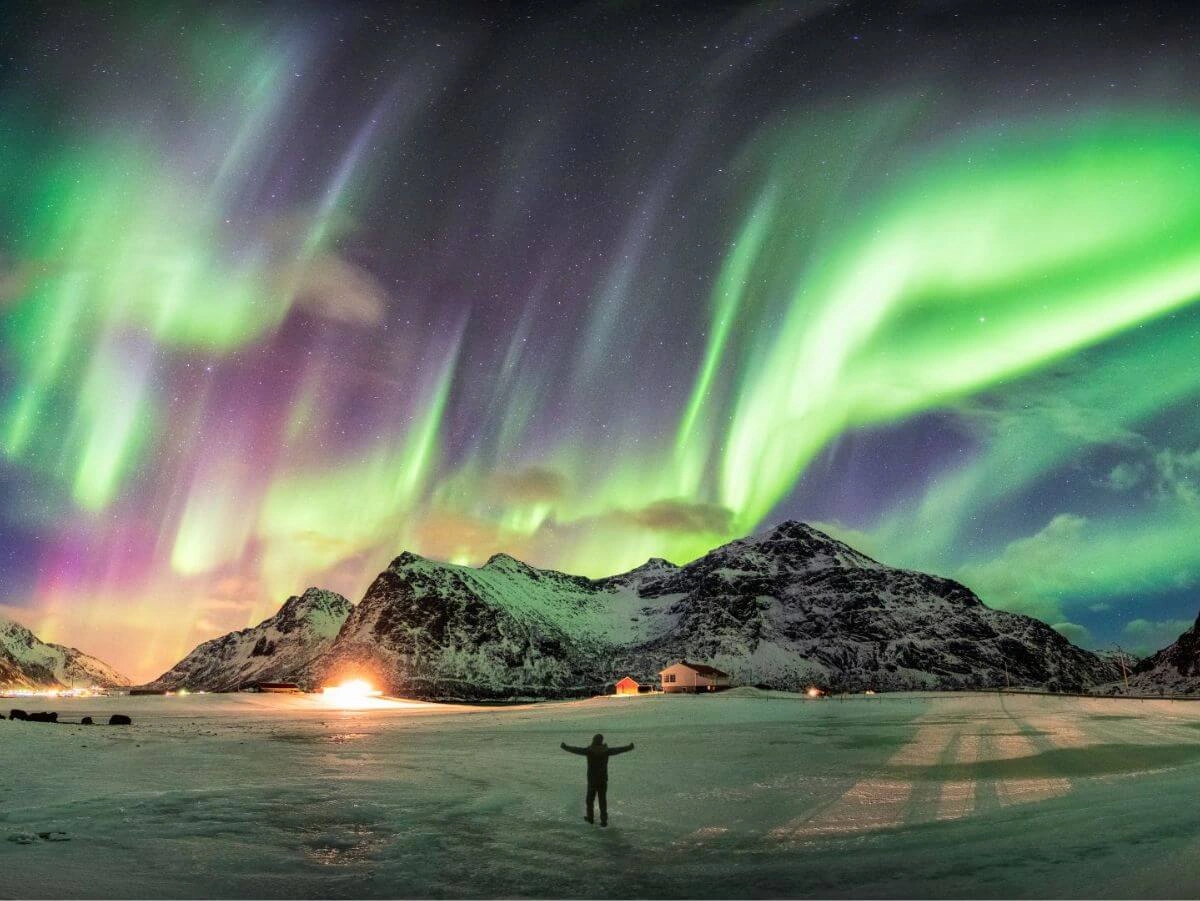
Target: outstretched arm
(621,750)
(573,750)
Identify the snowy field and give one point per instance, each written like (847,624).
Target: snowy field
(732,795)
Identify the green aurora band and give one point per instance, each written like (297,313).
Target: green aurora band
(843,304)
(980,266)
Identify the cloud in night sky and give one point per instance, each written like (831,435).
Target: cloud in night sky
(1034,573)
(681,516)
(1144,637)
(534,484)
(1074,633)
(287,289)
(336,289)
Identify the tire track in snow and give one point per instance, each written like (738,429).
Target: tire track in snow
(874,803)
(1029,741)
(987,797)
(957,797)
(955,738)
(941,749)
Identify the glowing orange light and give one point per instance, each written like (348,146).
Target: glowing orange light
(814,692)
(352,691)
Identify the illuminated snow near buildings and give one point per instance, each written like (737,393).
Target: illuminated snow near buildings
(284,291)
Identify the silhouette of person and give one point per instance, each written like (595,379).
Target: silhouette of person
(597,754)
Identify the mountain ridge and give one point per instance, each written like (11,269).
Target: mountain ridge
(1174,669)
(786,607)
(28,662)
(281,648)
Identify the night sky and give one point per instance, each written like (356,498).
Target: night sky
(286,289)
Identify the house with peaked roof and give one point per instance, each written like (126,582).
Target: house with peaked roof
(627,686)
(692,677)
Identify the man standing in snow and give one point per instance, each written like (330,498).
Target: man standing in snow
(597,754)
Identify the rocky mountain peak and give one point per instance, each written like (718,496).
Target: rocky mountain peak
(313,601)
(282,648)
(793,545)
(15,631)
(26,661)
(506,563)
(405,560)
(653,569)
(317,610)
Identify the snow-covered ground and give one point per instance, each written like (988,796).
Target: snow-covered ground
(731,795)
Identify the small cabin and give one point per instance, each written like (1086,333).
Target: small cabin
(277,687)
(693,677)
(627,686)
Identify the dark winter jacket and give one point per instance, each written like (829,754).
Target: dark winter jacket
(597,756)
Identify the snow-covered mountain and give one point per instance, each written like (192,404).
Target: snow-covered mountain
(786,608)
(793,606)
(279,649)
(436,630)
(1173,670)
(28,662)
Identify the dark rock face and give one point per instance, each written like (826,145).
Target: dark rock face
(16,714)
(43,717)
(119,719)
(1173,670)
(279,649)
(785,609)
(86,721)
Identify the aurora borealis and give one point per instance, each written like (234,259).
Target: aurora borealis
(286,289)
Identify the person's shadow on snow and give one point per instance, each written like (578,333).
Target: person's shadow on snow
(597,754)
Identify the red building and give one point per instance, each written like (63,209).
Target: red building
(627,686)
